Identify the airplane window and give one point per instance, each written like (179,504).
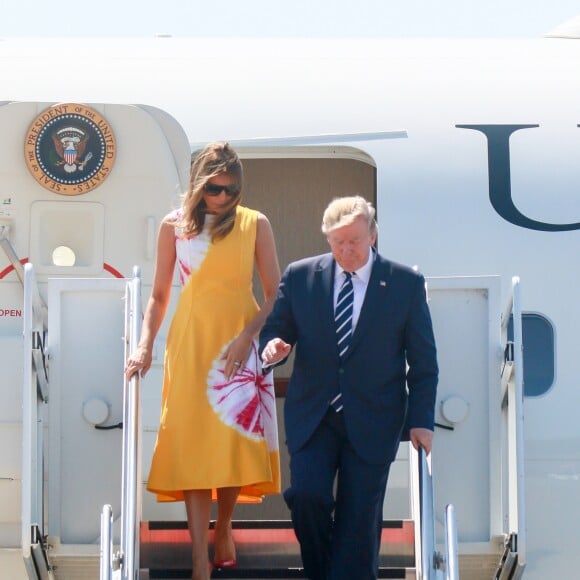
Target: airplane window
(63,256)
(539,353)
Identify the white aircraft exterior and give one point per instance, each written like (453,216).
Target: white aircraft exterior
(470,151)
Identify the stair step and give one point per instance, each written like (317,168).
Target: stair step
(263,574)
(266,548)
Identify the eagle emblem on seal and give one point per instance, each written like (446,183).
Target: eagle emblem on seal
(70,144)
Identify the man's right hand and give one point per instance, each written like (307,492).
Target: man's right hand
(275,351)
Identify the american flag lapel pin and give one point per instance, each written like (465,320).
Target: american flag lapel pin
(382,283)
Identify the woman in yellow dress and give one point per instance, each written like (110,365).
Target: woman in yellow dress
(217,436)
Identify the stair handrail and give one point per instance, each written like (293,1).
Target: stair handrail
(427,560)
(131,456)
(37,310)
(430,564)
(38,304)
(34,395)
(10,252)
(106,555)
(124,564)
(428,554)
(512,407)
(451,552)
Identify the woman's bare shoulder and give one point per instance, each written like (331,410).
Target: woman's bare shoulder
(262,218)
(172,217)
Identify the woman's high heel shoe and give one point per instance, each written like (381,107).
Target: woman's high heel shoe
(225,563)
(225,547)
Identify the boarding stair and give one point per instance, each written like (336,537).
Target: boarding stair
(136,549)
(265,549)
(269,550)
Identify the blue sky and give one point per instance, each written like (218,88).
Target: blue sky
(258,18)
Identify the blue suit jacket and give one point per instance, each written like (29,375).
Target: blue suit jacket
(394,330)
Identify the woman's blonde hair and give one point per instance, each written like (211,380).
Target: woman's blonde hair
(342,211)
(214,159)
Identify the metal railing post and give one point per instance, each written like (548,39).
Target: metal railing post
(34,395)
(512,406)
(451,553)
(519,420)
(428,561)
(130,494)
(106,543)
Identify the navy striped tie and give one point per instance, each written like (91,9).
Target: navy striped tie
(343,323)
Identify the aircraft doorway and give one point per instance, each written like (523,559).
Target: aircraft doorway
(293,187)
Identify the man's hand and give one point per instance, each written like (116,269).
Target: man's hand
(275,351)
(421,437)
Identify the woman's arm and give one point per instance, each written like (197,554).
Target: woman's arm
(141,359)
(269,274)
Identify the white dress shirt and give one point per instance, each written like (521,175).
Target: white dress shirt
(359,283)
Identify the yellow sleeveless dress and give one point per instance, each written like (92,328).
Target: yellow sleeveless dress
(215,433)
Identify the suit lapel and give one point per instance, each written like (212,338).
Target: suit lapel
(377,291)
(323,289)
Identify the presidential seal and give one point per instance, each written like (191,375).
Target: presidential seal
(70,149)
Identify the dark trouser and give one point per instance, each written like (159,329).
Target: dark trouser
(346,546)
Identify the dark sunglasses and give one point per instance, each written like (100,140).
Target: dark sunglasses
(215,190)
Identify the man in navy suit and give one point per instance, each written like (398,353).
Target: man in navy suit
(347,406)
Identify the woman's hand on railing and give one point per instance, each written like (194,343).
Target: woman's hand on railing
(139,362)
(421,437)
